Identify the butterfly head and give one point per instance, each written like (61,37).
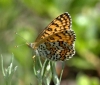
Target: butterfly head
(31,45)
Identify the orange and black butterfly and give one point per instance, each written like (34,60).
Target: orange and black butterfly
(57,41)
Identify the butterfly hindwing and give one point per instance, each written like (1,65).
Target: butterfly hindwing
(56,50)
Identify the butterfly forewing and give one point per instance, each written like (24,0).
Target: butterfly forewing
(61,23)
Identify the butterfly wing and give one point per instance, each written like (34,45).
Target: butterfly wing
(59,46)
(61,23)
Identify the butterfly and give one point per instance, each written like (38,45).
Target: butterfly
(57,41)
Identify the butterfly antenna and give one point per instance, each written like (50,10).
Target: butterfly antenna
(19,45)
(23,39)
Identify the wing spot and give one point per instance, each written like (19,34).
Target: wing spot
(49,29)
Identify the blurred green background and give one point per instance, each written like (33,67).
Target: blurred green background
(29,17)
